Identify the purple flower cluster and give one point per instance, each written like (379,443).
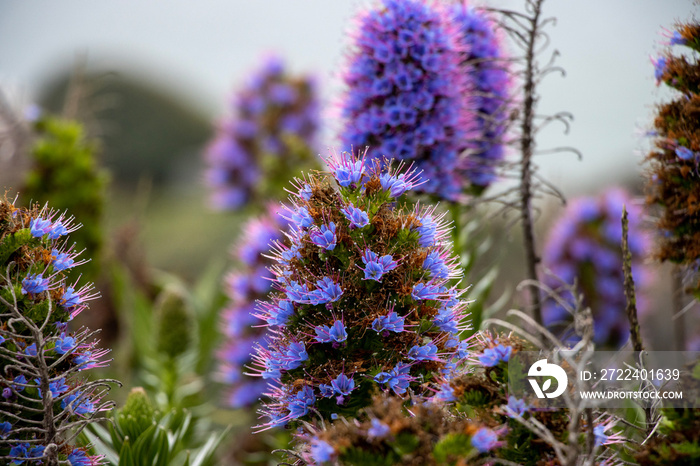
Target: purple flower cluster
(242,326)
(342,286)
(272,131)
(37,294)
(406,90)
(585,246)
(488,70)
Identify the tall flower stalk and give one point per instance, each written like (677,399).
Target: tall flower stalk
(407,92)
(361,298)
(673,184)
(270,134)
(46,400)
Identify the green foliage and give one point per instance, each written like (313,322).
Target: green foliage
(139,435)
(358,457)
(174,324)
(65,173)
(452,447)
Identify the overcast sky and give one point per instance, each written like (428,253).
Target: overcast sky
(204,47)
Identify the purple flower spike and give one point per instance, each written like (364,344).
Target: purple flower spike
(356,217)
(324,237)
(583,246)
(405,92)
(252,143)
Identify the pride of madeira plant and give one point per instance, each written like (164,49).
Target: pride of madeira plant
(673,163)
(362,299)
(270,134)
(46,401)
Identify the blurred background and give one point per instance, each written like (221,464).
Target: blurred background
(157,75)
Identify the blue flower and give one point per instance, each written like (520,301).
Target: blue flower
(57,230)
(321,451)
(297,293)
(301,402)
(281,312)
(335,333)
(5,429)
(295,355)
(327,292)
(30,350)
(39,227)
(62,260)
(343,386)
(423,353)
(70,298)
(348,171)
(446,394)
(378,429)
(356,217)
(64,344)
(35,284)
(677,39)
(435,264)
(659,68)
(327,391)
(78,403)
(398,379)
(376,267)
(56,387)
(684,153)
(301,218)
(492,356)
(391,322)
(427,231)
(447,320)
(396,185)
(325,237)
(79,458)
(519,407)
(485,440)
(426,291)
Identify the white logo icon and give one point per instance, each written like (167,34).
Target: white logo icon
(543,369)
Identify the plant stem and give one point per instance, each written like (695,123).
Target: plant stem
(527,148)
(679,341)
